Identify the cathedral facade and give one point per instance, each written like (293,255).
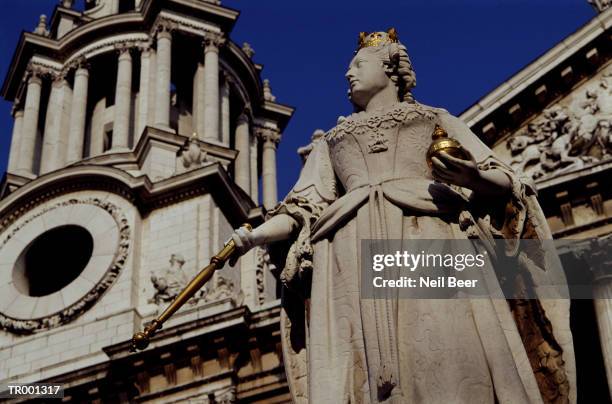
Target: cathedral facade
(141,133)
(551,121)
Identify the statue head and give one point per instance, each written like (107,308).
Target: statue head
(379,62)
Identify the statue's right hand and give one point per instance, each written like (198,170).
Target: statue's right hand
(244,241)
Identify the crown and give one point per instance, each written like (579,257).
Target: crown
(377,38)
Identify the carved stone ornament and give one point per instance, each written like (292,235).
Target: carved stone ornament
(214,40)
(171,282)
(248,50)
(264,263)
(374,126)
(74,310)
(221,288)
(226,395)
(598,255)
(565,139)
(192,155)
(268,135)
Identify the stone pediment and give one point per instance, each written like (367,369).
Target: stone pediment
(569,135)
(558,73)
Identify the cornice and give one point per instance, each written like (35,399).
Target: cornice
(549,77)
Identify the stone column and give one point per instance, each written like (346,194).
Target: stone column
(29,128)
(270,138)
(602,299)
(198,101)
(225,112)
(164,72)
(123,100)
(212,42)
(143,92)
(597,256)
(53,154)
(13,162)
(78,113)
(241,165)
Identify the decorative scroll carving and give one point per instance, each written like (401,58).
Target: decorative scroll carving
(71,312)
(565,139)
(214,40)
(36,71)
(164,27)
(268,135)
(264,263)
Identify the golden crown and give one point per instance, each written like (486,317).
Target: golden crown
(377,38)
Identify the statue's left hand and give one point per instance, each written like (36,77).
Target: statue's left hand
(465,173)
(455,171)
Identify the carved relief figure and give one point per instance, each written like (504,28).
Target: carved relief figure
(367,178)
(565,139)
(171,282)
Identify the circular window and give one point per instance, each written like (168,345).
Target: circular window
(52,260)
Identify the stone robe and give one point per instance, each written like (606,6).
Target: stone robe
(367,178)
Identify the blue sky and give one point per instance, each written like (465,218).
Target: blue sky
(460,50)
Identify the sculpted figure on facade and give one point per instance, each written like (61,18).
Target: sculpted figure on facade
(169,284)
(367,178)
(568,138)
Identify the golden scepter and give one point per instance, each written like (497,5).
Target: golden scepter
(140,340)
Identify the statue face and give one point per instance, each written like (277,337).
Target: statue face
(366,76)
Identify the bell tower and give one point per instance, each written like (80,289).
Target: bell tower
(141,134)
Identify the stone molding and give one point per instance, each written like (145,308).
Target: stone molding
(75,309)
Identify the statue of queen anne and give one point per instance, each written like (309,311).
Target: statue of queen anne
(367,178)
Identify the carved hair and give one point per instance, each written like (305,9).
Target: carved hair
(398,67)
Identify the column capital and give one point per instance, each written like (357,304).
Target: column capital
(35,73)
(59,78)
(597,253)
(80,63)
(123,48)
(145,48)
(268,135)
(164,28)
(213,41)
(243,118)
